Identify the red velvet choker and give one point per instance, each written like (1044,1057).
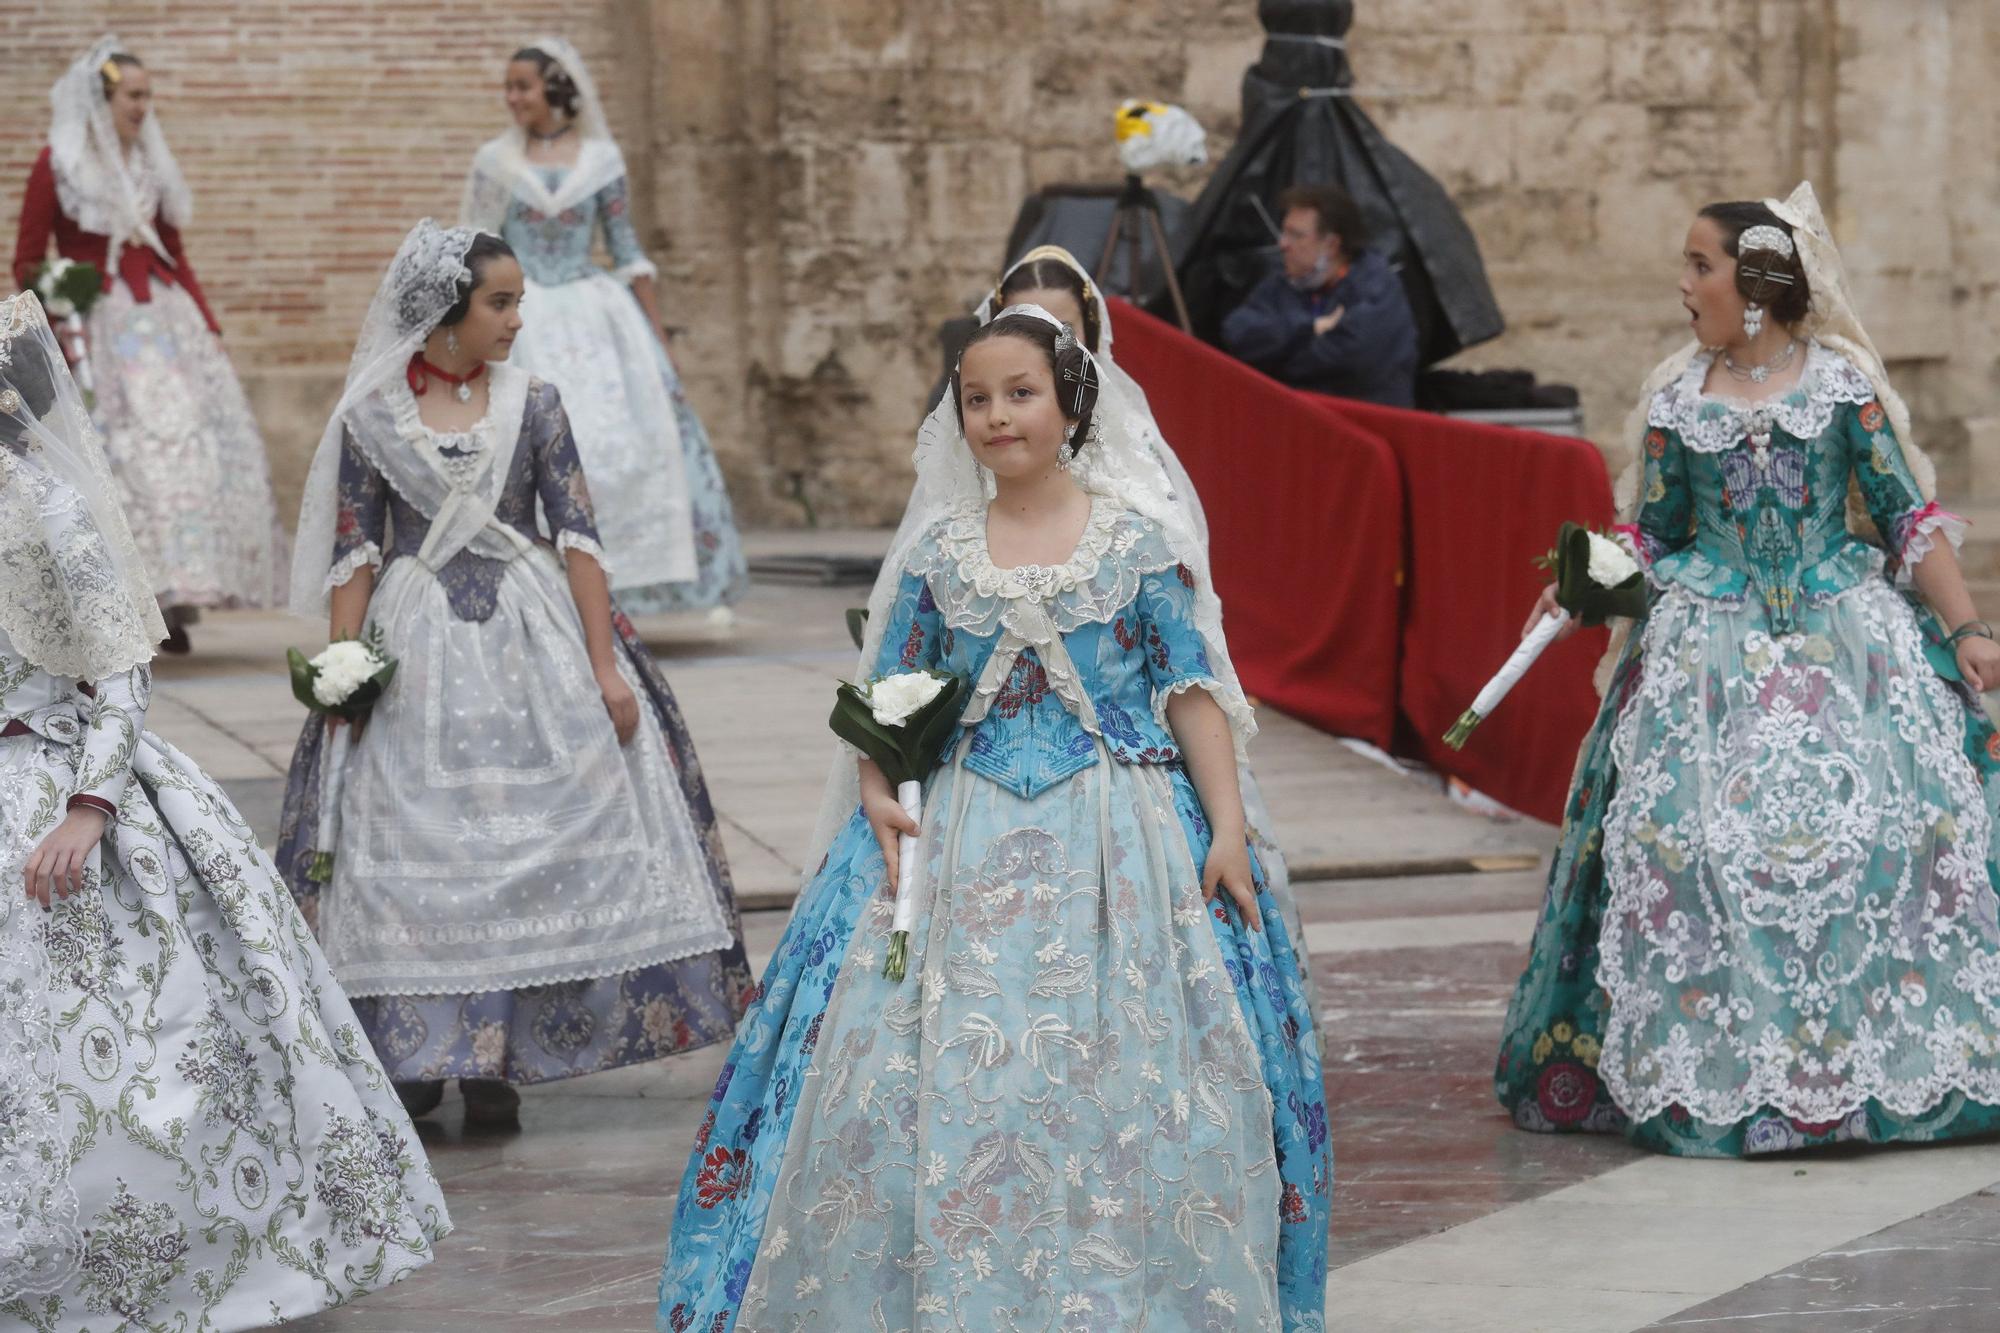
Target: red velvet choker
(421,372)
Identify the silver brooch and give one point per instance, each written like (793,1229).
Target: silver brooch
(10,401)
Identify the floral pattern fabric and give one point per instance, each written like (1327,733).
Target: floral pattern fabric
(185,449)
(1771,921)
(1096,1099)
(236,1151)
(667,524)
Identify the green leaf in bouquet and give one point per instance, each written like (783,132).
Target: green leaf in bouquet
(302,680)
(854,722)
(1578,594)
(939,722)
(857,624)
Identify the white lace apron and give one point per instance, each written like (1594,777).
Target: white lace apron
(493,833)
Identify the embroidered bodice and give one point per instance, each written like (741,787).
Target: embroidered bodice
(377,525)
(1746,499)
(555,248)
(1058,654)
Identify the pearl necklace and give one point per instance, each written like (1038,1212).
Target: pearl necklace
(1759,373)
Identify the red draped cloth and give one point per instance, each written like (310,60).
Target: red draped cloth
(1375,565)
(1305,514)
(1484,501)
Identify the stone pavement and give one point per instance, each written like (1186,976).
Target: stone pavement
(1418,913)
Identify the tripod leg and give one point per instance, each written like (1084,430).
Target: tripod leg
(1103,269)
(1173,279)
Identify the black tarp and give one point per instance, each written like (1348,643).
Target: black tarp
(1299,127)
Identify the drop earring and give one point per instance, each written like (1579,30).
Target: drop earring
(1753,319)
(451,342)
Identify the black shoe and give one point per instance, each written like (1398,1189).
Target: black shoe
(421,1098)
(177,641)
(490,1101)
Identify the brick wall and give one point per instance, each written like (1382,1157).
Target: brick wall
(822,181)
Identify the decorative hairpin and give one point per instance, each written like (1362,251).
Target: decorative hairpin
(1082,375)
(1766,237)
(112,74)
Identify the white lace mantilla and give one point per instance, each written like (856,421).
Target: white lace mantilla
(63,601)
(1709,424)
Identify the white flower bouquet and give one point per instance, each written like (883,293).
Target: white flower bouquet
(1596,578)
(68,290)
(344,681)
(901,722)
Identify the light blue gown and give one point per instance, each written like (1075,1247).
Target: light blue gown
(1096,1099)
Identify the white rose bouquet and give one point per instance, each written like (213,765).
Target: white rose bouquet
(344,681)
(901,721)
(68,290)
(1596,578)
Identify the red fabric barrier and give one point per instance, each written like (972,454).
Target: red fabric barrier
(1305,513)
(1484,501)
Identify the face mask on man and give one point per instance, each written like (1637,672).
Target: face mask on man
(1322,269)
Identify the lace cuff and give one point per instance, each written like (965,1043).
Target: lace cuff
(632,272)
(568,540)
(345,568)
(1916,540)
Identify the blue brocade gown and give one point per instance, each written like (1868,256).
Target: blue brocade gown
(1096,1099)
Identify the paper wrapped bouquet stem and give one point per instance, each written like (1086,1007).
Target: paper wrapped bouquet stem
(1596,578)
(901,723)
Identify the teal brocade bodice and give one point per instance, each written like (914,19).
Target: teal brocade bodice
(555,248)
(1749,500)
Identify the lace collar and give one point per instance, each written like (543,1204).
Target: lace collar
(1710,424)
(1118,548)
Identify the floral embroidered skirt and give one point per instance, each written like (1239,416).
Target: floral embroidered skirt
(1771,921)
(237,1155)
(1095,1099)
(185,449)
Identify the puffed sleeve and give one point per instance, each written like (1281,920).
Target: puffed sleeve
(559,479)
(361,523)
(912,636)
(116,716)
(38,220)
(1909,524)
(614,209)
(1176,658)
(1666,509)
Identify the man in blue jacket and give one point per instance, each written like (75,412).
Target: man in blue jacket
(1335,318)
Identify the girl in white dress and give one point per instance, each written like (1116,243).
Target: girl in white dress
(547,185)
(193,1130)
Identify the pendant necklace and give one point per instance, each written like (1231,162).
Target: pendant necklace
(1758,374)
(421,372)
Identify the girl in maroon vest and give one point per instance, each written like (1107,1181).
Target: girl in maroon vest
(185,449)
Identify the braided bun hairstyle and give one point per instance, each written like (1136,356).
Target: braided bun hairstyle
(1075,375)
(1765,277)
(558,88)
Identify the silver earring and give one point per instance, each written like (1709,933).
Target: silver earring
(451,342)
(1753,319)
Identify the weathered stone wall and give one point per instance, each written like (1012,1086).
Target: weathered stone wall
(823,182)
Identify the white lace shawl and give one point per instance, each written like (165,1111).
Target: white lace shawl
(102,188)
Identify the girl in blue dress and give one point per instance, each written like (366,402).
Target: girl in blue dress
(548,185)
(1096,1098)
